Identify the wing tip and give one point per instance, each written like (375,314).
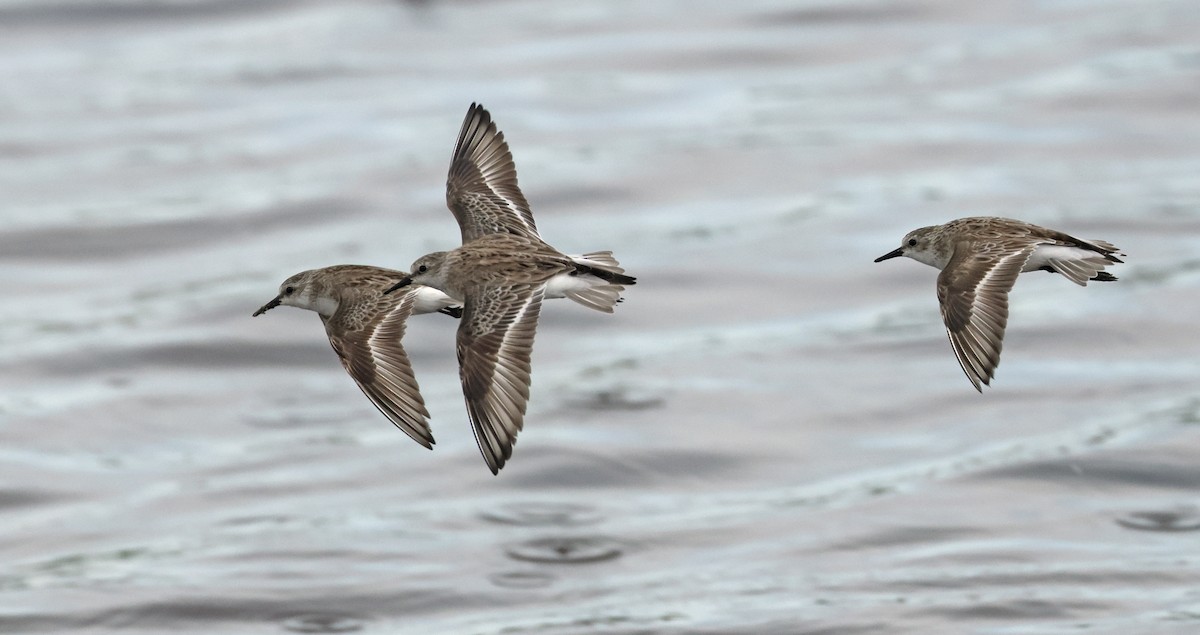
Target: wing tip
(495,446)
(477,123)
(979,371)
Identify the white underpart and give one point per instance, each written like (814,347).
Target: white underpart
(1077,264)
(430,300)
(324,305)
(928,257)
(560,285)
(587,290)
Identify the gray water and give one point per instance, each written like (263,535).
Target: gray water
(771,435)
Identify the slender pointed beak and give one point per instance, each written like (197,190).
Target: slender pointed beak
(399,285)
(268,306)
(899,251)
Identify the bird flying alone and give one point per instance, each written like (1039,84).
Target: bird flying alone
(501,273)
(980,258)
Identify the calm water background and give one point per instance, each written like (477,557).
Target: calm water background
(770,436)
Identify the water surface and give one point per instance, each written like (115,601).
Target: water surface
(771,435)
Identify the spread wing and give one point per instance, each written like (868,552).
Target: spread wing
(366,335)
(973,292)
(495,340)
(481,188)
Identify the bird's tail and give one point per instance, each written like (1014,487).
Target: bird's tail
(1080,270)
(601,297)
(603,265)
(596,283)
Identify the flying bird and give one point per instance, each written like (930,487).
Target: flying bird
(501,274)
(365,327)
(980,258)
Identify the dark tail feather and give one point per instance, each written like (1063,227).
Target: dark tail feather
(1105,276)
(452,311)
(607,276)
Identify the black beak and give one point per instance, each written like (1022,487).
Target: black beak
(399,285)
(899,251)
(268,306)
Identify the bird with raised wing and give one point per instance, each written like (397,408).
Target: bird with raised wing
(501,274)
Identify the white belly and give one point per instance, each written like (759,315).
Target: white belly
(559,285)
(430,300)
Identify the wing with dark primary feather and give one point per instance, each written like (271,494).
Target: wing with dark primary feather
(366,333)
(495,342)
(973,293)
(481,189)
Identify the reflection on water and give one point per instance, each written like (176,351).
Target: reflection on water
(565,550)
(1178,520)
(323,623)
(771,436)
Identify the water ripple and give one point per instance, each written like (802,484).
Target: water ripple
(522,579)
(543,514)
(566,550)
(1169,521)
(323,623)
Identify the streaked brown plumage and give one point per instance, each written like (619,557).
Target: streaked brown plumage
(502,272)
(365,328)
(980,259)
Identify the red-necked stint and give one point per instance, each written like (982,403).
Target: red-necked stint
(980,258)
(365,327)
(501,273)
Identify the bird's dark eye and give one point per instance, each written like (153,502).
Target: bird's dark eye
(289,291)
(912,242)
(422,269)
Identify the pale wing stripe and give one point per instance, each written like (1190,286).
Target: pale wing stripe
(991,289)
(978,343)
(507,363)
(497,165)
(508,366)
(985,352)
(385,345)
(377,363)
(972,346)
(496,380)
(482,188)
(395,391)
